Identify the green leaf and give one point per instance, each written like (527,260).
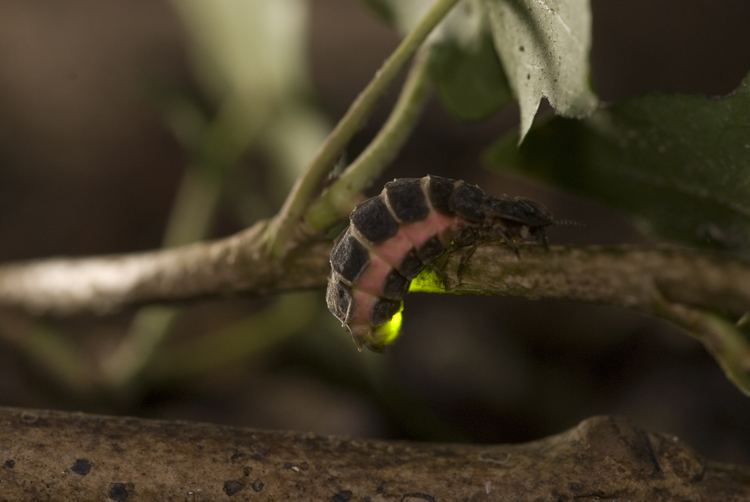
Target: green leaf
(469,78)
(544,46)
(680,164)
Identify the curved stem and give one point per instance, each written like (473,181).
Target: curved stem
(280,231)
(195,204)
(338,199)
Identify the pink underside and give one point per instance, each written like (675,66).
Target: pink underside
(372,279)
(413,235)
(421,231)
(385,256)
(362,308)
(394,249)
(391,252)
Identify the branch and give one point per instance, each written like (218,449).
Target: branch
(687,287)
(282,227)
(69,456)
(109,283)
(628,276)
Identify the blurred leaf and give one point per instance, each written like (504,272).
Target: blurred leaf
(470,80)
(680,164)
(253,47)
(544,46)
(251,56)
(403,15)
(292,139)
(383,9)
(465,67)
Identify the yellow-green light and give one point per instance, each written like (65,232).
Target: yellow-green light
(388,333)
(428,281)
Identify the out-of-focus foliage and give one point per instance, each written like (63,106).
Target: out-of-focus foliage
(251,56)
(543,47)
(251,48)
(468,75)
(679,164)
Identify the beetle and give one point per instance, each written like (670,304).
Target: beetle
(392,236)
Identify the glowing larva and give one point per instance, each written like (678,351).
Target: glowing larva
(392,236)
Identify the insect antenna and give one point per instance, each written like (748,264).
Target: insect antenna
(569,223)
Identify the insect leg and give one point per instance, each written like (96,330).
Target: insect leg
(466,255)
(540,236)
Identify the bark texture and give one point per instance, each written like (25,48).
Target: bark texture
(46,455)
(630,276)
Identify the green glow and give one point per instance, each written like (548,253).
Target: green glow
(428,281)
(387,333)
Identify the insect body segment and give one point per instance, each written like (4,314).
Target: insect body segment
(392,236)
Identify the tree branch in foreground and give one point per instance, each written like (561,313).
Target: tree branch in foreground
(51,455)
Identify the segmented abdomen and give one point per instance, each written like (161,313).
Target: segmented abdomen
(391,237)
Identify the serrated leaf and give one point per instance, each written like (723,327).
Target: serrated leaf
(680,164)
(544,47)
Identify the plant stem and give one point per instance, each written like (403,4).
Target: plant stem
(338,199)
(49,350)
(192,213)
(236,341)
(728,345)
(280,231)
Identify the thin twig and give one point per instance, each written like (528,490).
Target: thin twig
(50,351)
(235,341)
(729,346)
(280,231)
(338,199)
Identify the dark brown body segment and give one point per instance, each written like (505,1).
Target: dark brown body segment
(395,285)
(374,221)
(349,257)
(384,309)
(430,250)
(467,201)
(407,200)
(440,190)
(411,265)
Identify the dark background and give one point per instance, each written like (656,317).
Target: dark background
(87,167)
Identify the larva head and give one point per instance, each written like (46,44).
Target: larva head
(517,219)
(518,210)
